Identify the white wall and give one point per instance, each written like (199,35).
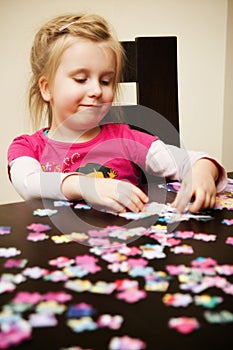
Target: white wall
(228,101)
(203,29)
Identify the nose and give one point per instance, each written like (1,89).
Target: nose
(95,89)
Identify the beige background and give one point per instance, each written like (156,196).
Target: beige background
(205,64)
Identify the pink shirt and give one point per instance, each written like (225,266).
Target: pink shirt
(116,152)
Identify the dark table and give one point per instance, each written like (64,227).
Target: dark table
(146,319)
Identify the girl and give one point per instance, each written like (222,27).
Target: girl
(76,66)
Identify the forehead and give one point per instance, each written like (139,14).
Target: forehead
(85,53)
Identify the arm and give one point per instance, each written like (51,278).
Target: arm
(201,175)
(31,182)
(110,194)
(199,184)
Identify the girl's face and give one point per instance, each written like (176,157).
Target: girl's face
(83,87)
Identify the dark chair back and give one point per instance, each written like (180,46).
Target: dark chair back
(151,62)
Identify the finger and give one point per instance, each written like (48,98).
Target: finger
(201,201)
(134,192)
(135,204)
(213,198)
(132,197)
(142,195)
(121,203)
(138,200)
(110,205)
(183,197)
(181,201)
(210,201)
(213,201)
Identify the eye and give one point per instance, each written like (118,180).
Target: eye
(107,79)
(80,80)
(106,82)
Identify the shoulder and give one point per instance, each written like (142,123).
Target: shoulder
(38,135)
(127,131)
(118,129)
(27,145)
(115,127)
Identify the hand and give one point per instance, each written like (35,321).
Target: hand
(109,194)
(198,186)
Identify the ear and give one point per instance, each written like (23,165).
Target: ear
(44,89)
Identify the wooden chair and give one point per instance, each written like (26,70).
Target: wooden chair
(151,62)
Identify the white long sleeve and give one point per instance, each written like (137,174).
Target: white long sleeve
(31,182)
(173,162)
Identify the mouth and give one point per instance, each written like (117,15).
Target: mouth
(90,106)
(93,108)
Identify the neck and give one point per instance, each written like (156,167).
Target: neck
(64,134)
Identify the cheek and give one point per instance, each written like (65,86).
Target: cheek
(109,95)
(69,97)
(66,89)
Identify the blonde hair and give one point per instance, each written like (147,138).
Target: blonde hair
(49,44)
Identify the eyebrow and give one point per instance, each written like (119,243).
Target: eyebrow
(84,70)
